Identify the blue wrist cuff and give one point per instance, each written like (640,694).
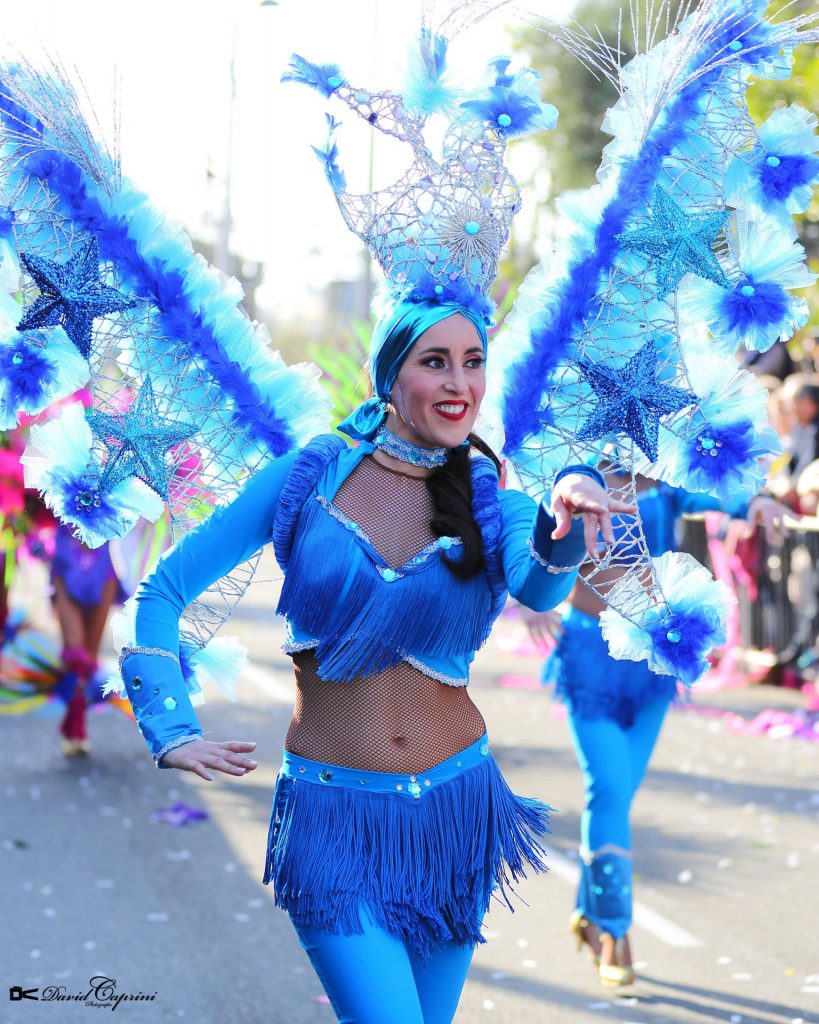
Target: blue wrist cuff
(159,698)
(567,552)
(583,470)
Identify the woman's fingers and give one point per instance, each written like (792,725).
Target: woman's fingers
(203,757)
(562,517)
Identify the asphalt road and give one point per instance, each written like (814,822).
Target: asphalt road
(727,857)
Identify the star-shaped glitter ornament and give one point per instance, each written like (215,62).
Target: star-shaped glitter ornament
(679,242)
(631,400)
(138,441)
(71,295)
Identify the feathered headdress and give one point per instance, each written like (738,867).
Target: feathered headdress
(438,231)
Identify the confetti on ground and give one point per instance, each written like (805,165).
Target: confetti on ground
(684,877)
(157,917)
(178,815)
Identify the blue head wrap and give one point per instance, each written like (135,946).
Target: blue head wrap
(394,335)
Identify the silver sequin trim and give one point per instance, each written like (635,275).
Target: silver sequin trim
(427,671)
(126,652)
(345,521)
(547,565)
(291,646)
(393,574)
(178,742)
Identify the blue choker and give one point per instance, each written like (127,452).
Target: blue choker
(406,451)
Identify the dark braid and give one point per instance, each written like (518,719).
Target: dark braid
(451,489)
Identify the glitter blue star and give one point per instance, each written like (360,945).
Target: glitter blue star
(71,295)
(679,242)
(138,441)
(631,401)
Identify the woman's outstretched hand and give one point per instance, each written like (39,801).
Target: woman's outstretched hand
(771,516)
(204,757)
(577,493)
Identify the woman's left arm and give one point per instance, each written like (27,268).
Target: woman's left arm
(541,550)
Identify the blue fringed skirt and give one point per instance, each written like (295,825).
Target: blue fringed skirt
(423,853)
(592,683)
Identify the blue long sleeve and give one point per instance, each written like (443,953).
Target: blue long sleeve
(540,572)
(232,534)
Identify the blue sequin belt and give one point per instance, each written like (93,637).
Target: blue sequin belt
(413,786)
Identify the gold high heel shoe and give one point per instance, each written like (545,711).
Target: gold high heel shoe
(617,974)
(577,926)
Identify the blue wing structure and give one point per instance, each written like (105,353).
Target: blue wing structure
(619,350)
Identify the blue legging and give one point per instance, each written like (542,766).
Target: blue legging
(613,760)
(374,977)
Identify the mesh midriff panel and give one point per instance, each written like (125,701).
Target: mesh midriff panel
(398,720)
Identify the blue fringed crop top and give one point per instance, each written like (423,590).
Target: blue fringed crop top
(340,598)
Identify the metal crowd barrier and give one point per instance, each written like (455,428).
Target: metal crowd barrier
(782,617)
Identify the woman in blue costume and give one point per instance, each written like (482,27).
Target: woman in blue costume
(85,586)
(391,825)
(615,713)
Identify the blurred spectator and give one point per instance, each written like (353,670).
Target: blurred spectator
(775,362)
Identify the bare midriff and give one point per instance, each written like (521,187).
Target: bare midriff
(398,720)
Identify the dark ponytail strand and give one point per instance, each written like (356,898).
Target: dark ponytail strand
(451,489)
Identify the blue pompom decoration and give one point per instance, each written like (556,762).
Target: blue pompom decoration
(324,78)
(781,176)
(682,641)
(88,507)
(26,373)
(721,451)
(754,304)
(505,110)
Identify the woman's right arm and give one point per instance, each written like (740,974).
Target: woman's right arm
(151,669)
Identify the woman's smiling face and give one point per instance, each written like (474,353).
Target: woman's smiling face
(440,386)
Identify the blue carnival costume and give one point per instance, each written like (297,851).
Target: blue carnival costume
(616,710)
(412,856)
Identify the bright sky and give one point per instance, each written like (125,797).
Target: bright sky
(173,60)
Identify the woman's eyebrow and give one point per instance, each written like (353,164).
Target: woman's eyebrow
(443,351)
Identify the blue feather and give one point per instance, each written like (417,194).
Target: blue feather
(324,78)
(329,158)
(16,119)
(424,91)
